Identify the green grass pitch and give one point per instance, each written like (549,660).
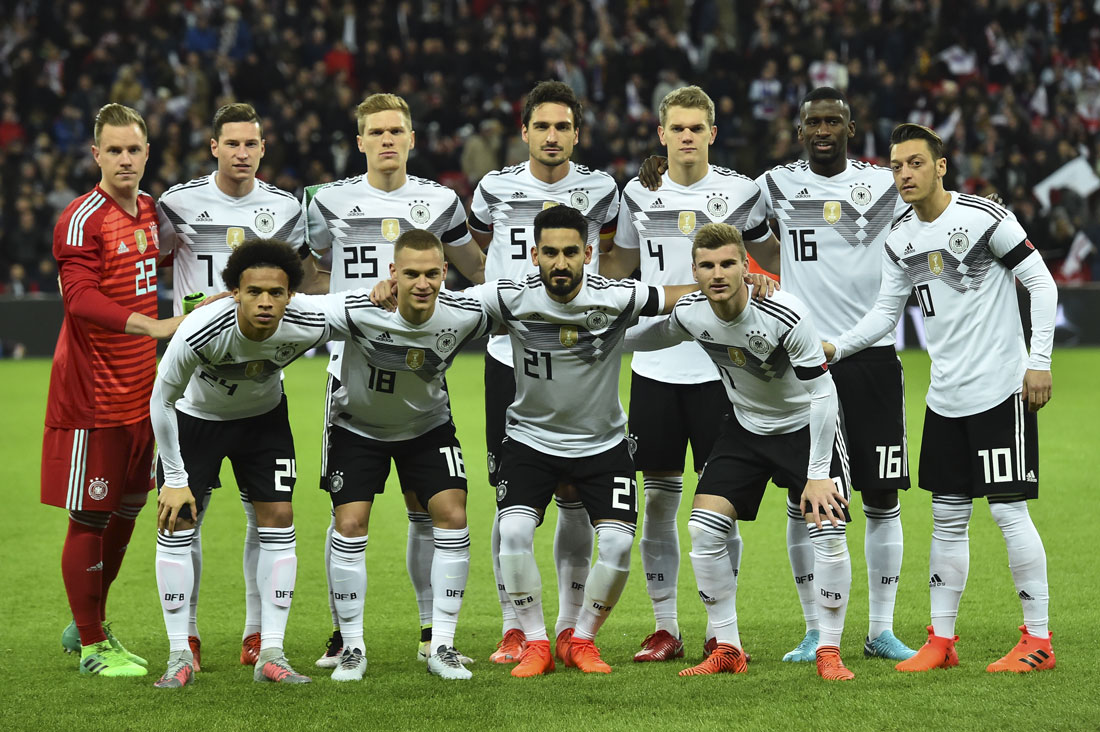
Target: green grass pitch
(44,692)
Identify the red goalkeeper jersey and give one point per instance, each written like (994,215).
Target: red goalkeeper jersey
(107,263)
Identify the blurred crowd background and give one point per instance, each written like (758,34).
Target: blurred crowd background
(1013,86)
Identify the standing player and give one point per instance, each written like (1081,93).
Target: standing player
(784,427)
(201,223)
(394,406)
(218,394)
(566,425)
(97,449)
(963,254)
(675,394)
(502,219)
(359,219)
(833,215)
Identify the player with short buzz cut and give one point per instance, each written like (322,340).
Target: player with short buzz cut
(218,394)
(676,396)
(566,425)
(201,223)
(784,426)
(97,446)
(962,256)
(501,220)
(394,406)
(358,219)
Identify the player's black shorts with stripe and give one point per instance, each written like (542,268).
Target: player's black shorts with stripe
(500,392)
(871,388)
(356,467)
(604,482)
(742,463)
(260,449)
(991,453)
(664,418)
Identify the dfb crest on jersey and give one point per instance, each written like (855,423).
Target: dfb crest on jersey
(336,482)
(737,356)
(419,214)
(97,489)
(578,200)
(831,212)
(502,490)
(958,241)
(141,240)
(234,237)
(414,358)
(264,222)
(549,204)
(446,342)
(596,320)
(935,263)
(568,336)
(717,207)
(861,195)
(631,444)
(758,344)
(391,229)
(284,352)
(686,222)
(491,462)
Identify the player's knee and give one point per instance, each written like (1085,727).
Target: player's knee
(615,542)
(567,493)
(706,541)
(950,520)
(829,547)
(275,515)
(517,534)
(448,509)
(661,506)
(880,499)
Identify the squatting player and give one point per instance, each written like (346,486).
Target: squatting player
(218,394)
(962,255)
(783,427)
(97,449)
(502,216)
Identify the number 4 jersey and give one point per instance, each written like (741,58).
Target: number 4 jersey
(202,226)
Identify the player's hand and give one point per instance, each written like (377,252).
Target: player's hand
(763,286)
(823,497)
(384,294)
(830,350)
(996,198)
(213,298)
(169,503)
(652,169)
(1037,389)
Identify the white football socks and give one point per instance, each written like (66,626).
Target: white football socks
(248,566)
(713,573)
(660,549)
(509,621)
(450,570)
(800,551)
(328,569)
(276,572)
(573,538)
(196,568)
(832,580)
(418,561)
(948,560)
(348,572)
(882,547)
(175,578)
(1028,561)
(519,572)
(608,577)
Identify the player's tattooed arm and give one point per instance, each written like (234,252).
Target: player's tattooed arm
(652,169)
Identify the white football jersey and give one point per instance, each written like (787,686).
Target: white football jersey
(212,371)
(202,226)
(961,266)
(507,201)
(831,232)
(392,371)
(567,358)
(661,224)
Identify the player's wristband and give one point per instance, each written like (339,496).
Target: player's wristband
(192,301)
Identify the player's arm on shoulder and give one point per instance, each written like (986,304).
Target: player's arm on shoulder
(483,238)
(672,293)
(651,171)
(655,334)
(469,259)
(765,252)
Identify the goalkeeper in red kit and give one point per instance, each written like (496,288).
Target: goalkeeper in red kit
(97,451)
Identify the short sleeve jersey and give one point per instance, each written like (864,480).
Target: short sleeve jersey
(507,201)
(392,371)
(831,233)
(224,375)
(567,359)
(961,267)
(662,224)
(99,377)
(762,354)
(202,226)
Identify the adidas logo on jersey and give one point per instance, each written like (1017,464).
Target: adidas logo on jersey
(1030,477)
(122,248)
(804,193)
(657,204)
(355,212)
(908,249)
(706,336)
(227,358)
(935,581)
(204,216)
(384,338)
(519,194)
(533,316)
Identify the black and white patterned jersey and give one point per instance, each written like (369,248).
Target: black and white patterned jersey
(771,362)
(567,358)
(392,371)
(360,223)
(202,226)
(662,224)
(961,266)
(507,201)
(212,371)
(831,232)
